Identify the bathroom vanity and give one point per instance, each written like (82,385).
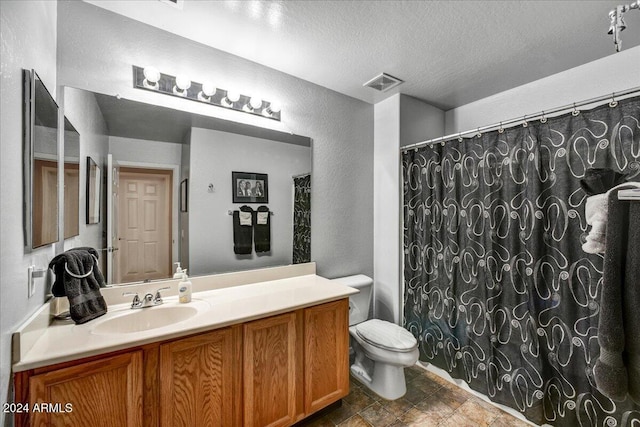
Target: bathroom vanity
(257,354)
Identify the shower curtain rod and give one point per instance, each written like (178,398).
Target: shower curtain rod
(540,115)
(301,175)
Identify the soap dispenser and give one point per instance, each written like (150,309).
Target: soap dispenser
(184,288)
(178,273)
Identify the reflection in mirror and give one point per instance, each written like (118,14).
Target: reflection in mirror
(71,180)
(40,163)
(152,150)
(94,185)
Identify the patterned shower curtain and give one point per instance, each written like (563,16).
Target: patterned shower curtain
(497,289)
(302,219)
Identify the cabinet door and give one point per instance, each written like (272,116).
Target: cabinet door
(106,392)
(326,354)
(270,371)
(196,380)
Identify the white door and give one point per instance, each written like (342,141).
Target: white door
(112,218)
(144,225)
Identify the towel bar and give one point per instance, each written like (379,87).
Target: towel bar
(631,195)
(230,212)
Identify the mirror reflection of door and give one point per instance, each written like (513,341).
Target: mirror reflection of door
(144,225)
(45,201)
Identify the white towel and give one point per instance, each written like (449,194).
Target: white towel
(245,218)
(596,214)
(262,217)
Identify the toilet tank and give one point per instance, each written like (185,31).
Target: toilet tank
(358,303)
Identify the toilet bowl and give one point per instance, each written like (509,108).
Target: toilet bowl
(382,349)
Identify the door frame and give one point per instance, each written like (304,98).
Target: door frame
(175,249)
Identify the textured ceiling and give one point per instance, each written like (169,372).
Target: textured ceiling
(449,53)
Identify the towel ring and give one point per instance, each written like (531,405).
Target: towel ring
(78,276)
(81,276)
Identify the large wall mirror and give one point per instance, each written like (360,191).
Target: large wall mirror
(154,152)
(71,180)
(40,169)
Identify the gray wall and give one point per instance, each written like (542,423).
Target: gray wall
(214,155)
(97,49)
(612,73)
(28,39)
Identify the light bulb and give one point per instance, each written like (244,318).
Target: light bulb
(151,74)
(183,82)
(233,96)
(208,89)
(151,77)
(275,107)
(255,102)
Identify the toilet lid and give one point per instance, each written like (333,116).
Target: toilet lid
(386,335)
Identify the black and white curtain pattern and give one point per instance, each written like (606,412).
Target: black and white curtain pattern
(497,289)
(302,219)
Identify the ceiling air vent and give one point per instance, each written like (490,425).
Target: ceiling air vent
(383,82)
(178,4)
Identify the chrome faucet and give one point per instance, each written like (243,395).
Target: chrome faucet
(149,299)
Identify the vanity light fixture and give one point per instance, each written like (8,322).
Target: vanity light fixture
(149,78)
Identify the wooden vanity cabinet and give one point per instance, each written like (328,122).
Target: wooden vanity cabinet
(272,380)
(197,383)
(326,355)
(268,372)
(105,392)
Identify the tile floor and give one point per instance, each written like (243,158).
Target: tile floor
(430,401)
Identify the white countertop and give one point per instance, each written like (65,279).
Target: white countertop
(64,341)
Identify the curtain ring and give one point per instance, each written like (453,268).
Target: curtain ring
(543,119)
(478,134)
(525,123)
(613,102)
(500,129)
(460,137)
(575,111)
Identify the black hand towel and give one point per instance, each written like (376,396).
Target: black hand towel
(58,268)
(242,234)
(262,229)
(81,278)
(617,370)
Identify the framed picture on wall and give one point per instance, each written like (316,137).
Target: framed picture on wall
(184,195)
(250,187)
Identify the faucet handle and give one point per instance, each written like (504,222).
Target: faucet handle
(158,297)
(136,299)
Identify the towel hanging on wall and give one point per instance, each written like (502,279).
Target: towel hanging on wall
(243,231)
(78,277)
(262,230)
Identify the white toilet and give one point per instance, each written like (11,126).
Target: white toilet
(383,349)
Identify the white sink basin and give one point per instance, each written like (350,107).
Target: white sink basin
(144,319)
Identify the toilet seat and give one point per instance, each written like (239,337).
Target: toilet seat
(386,335)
